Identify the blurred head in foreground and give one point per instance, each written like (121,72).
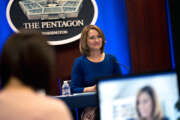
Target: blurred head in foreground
(27,57)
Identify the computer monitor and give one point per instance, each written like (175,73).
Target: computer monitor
(119,97)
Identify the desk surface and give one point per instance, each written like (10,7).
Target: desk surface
(80,100)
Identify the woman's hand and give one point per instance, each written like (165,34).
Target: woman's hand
(90,89)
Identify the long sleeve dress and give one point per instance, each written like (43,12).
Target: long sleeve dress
(85,72)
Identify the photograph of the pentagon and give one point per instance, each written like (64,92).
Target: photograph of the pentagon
(50,9)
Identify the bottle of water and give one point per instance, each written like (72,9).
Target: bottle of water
(66,89)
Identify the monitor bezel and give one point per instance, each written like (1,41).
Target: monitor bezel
(118,77)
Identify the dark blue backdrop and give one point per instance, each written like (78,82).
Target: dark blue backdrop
(5,30)
(112,19)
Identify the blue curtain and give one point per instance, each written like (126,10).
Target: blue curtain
(5,30)
(170,35)
(112,19)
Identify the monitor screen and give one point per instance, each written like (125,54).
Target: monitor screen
(138,97)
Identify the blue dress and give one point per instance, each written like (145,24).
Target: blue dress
(85,72)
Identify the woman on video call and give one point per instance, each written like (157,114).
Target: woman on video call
(147,105)
(93,63)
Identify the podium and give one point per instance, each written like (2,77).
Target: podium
(80,100)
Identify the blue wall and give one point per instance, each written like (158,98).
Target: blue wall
(112,19)
(5,30)
(170,35)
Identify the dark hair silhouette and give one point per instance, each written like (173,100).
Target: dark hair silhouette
(27,56)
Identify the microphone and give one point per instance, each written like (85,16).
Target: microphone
(126,67)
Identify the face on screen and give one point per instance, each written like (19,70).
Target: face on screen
(145,105)
(139,97)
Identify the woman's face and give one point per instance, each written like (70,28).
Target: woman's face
(94,40)
(145,105)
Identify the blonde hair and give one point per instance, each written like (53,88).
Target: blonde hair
(84,49)
(156,109)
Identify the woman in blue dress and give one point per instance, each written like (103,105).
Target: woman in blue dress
(93,63)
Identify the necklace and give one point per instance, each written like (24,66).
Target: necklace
(96,58)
